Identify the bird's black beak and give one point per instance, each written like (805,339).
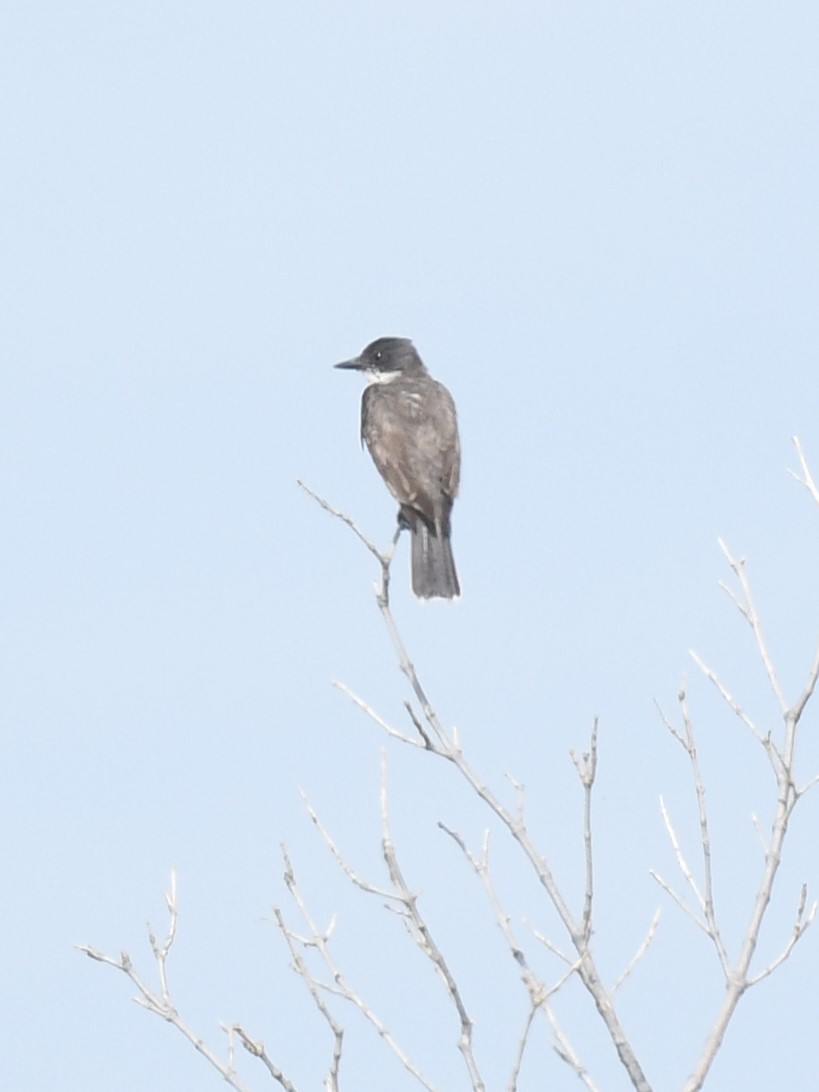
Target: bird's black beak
(354,365)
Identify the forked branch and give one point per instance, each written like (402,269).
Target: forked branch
(779,747)
(160,1002)
(446,746)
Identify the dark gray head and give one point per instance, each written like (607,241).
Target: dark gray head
(387,357)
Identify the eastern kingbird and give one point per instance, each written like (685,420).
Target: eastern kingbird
(409,424)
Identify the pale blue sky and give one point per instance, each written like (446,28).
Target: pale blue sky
(598,222)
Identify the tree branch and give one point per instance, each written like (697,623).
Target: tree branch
(446,746)
(161,1004)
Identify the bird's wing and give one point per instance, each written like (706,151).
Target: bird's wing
(411,432)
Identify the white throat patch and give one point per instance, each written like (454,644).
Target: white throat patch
(382,377)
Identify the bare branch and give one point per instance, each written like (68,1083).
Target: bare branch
(729,700)
(448,747)
(365,707)
(564,1051)
(807,693)
(738,978)
(801,925)
(705,837)
(682,863)
(550,946)
(645,944)
(419,728)
(706,900)
(338,985)
(750,614)
(422,935)
(683,905)
(670,727)
(539,993)
(404,902)
(161,1004)
(807,786)
(314,987)
(523,1041)
(535,987)
(256,1048)
(346,868)
(807,478)
(520,799)
(162,951)
(586,767)
(380,558)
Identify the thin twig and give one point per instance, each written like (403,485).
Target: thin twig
(365,707)
(781,758)
(256,1048)
(807,692)
(341,861)
(344,519)
(338,985)
(682,863)
(550,946)
(688,743)
(807,478)
(802,923)
(750,614)
(161,1003)
(520,799)
(645,944)
(422,935)
(539,993)
(565,1052)
(314,987)
(448,747)
(586,766)
(523,1042)
(729,700)
(680,901)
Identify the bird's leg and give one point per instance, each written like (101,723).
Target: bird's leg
(402,524)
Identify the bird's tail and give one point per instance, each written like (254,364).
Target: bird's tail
(433,566)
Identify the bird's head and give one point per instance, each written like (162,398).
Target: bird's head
(386,359)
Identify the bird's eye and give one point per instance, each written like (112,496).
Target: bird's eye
(378,355)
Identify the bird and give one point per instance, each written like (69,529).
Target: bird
(410,426)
